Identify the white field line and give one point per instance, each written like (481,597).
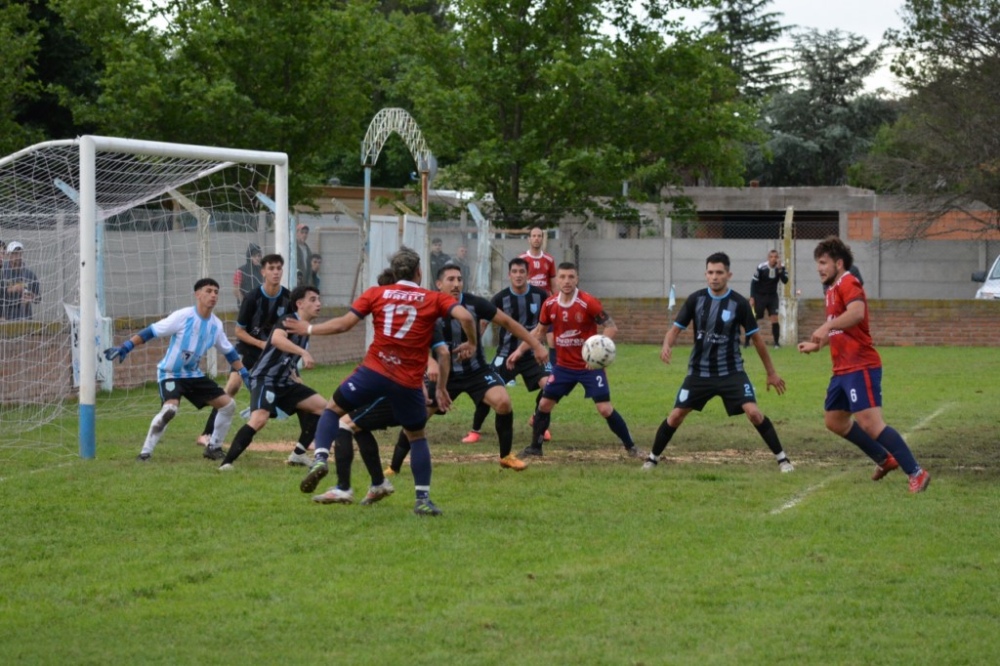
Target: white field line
(36,471)
(796,499)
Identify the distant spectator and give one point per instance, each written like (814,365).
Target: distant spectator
(20,284)
(315,266)
(461,259)
(304,254)
(438,259)
(248,276)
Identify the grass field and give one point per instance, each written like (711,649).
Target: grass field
(712,558)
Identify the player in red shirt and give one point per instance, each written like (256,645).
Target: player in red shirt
(403,316)
(541,266)
(853,407)
(574,316)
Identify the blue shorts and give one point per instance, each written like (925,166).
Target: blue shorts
(366,386)
(563,380)
(855,391)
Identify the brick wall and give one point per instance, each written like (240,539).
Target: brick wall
(962,323)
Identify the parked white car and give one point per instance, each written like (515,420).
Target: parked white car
(991,281)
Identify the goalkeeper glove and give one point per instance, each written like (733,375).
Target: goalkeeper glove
(245,376)
(111,353)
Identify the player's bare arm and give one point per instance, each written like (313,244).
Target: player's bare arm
(249,340)
(279,339)
(773,379)
(669,340)
(538,333)
(853,316)
(610,328)
(467,349)
(341,324)
(444,370)
(522,334)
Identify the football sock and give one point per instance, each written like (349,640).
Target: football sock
(776,332)
(210,423)
(505,431)
(618,426)
(663,436)
(770,437)
(307,425)
(479,418)
(223,420)
(399,453)
(326,431)
(240,444)
(541,424)
(860,439)
(420,463)
(343,456)
(895,444)
(157,426)
(368,448)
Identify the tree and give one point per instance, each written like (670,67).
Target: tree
(827,123)
(746,29)
(944,152)
(19,39)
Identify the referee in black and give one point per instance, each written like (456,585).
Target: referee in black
(764,293)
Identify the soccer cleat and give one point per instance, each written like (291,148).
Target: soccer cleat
(425,507)
(920,481)
(634,452)
(777,345)
(203,440)
(649,464)
(376,493)
(532,451)
(144,457)
(298,459)
(786,466)
(388,471)
(471,438)
(886,467)
(510,461)
(213,453)
(226,467)
(316,473)
(335,496)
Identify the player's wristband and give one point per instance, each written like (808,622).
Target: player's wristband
(309,330)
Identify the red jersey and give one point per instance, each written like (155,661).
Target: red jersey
(571,326)
(541,270)
(403,316)
(852,349)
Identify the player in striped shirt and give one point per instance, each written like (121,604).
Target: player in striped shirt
(717,315)
(853,407)
(193,331)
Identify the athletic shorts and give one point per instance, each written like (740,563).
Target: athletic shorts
(365,386)
(378,415)
(855,391)
(735,391)
(563,380)
(199,391)
(527,367)
(764,305)
(475,383)
(287,397)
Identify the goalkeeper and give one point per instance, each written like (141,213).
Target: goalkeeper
(193,331)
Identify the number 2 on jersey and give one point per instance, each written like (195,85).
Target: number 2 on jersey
(402,310)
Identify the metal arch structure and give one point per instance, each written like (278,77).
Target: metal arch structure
(380,129)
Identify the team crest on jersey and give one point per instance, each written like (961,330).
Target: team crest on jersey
(170,386)
(579,317)
(726,315)
(281,310)
(534,308)
(269,396)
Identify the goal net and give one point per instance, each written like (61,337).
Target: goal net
(111,236)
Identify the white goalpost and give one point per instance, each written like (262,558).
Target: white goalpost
(119,230)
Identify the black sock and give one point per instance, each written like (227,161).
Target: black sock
(770,437)
(776,332)
(663,436)
(505,431)
(307,423)
(210,423)
(479,418)
(542,420)
(400,452)
(240,443)
(343,455)
(368,448)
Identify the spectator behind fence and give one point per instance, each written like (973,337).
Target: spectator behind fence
(19,284)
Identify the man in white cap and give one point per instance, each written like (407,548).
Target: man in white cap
(20,284)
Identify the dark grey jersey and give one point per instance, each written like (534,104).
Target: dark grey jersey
(522,308)
(451,330)
(276,367)
(258,314)
(717,322)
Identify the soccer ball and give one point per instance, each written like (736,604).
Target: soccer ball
(598,352)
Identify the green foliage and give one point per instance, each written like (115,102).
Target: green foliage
(19,43)
(712,558)
(746,29)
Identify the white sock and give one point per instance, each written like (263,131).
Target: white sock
(157,427)
(223,420)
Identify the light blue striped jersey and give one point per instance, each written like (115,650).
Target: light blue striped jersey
(191,337)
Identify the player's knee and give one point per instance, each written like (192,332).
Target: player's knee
(167,413)
(347,423)
(605,409)
(229,408)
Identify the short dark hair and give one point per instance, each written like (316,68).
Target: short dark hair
(298,294)
(567,266)
(435,241)
(718,258)
(273,258)
(205,282)
(835,249)
(517,261)
(448,266)
(315,255)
